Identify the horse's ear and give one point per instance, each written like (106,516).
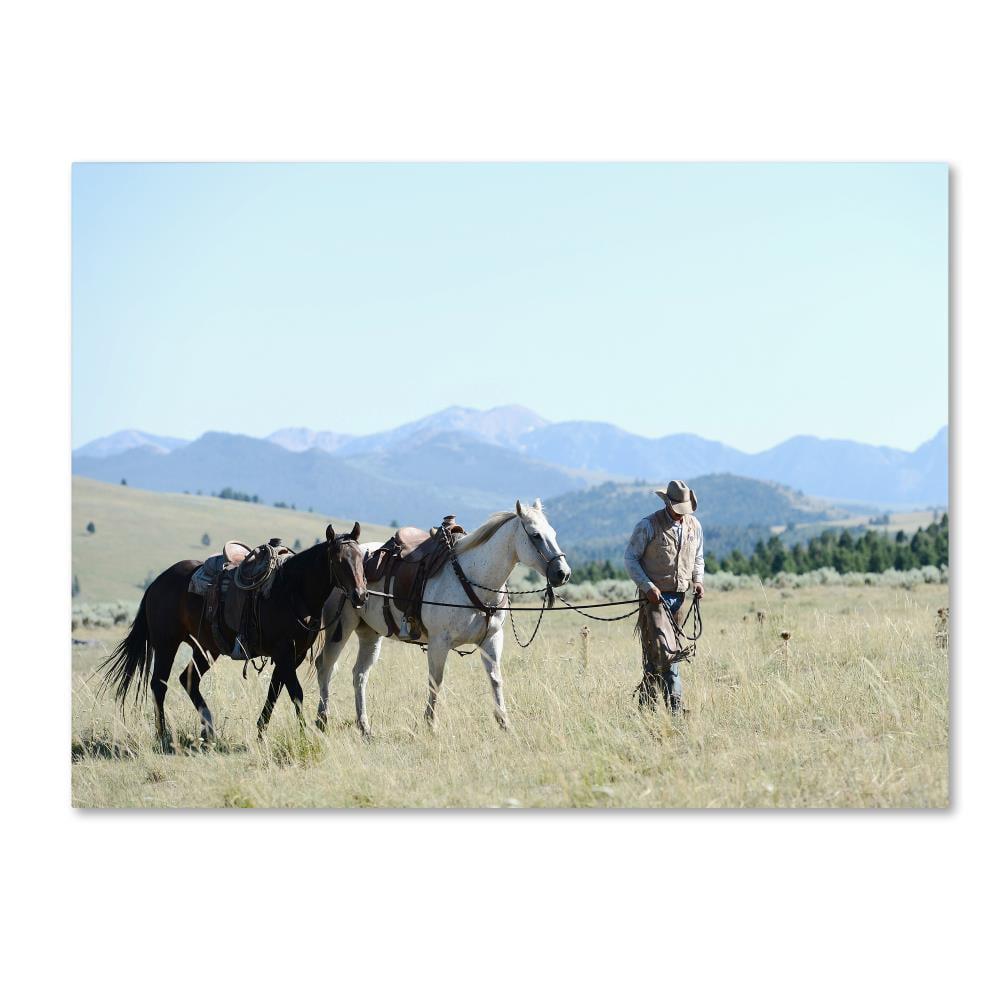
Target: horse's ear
(518,508)
(356,531)
(331,535)
(538,503)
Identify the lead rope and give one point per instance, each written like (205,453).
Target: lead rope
(538,623)
(686,652)
(490,610)
(679,629)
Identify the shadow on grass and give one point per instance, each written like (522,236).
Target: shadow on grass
(102,748)
(190,744)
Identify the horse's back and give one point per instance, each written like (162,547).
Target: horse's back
(168,603)
(182,570)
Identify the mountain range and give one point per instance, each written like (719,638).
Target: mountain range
(115,444)
(449,473)
(481,459)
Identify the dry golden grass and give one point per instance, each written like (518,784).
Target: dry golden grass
(853,711)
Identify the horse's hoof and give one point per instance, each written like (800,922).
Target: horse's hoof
(321,723)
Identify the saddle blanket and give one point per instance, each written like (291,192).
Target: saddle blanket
(205,575)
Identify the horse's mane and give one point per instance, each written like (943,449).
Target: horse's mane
(294,566)
(485,531)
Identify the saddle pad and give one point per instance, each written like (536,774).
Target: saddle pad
(204,577)
(375,564)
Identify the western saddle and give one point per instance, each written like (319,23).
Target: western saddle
(403,565)
(232,583)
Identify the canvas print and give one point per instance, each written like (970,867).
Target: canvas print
(512,485)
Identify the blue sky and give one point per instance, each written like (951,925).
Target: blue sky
(742,302)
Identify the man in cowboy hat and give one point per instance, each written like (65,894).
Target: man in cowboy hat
(665,556)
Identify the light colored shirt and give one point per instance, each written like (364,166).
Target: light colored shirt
(641,537)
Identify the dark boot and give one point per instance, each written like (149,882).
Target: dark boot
(677,705)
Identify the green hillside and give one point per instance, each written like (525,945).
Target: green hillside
(138,533)
(735,511)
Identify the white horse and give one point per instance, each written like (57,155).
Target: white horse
(487,556)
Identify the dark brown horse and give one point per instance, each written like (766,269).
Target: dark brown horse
(289,618)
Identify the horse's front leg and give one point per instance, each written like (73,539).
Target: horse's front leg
(437,653)
(491,650)
(369,644)
(274,689)
(329,657)
(292,686)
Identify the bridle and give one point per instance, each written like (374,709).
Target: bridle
(489,610)
(541,554)
(333,565)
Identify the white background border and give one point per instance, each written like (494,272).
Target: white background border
(482,904)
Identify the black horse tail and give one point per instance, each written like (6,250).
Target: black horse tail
(133,654)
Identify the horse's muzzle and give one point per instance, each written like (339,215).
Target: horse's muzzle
(358,598)
(559,573)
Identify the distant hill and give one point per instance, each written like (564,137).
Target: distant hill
(734,511)
(587,450)
(846,469)
(138,533)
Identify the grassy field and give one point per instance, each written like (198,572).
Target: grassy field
(853,711)
(138,532)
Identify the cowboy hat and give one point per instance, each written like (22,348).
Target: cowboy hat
(679,497)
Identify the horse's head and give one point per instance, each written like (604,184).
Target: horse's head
(347,568)
(536,545)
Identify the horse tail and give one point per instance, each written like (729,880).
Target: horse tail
(133,654)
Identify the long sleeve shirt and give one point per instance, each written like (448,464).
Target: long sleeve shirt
(641,537)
